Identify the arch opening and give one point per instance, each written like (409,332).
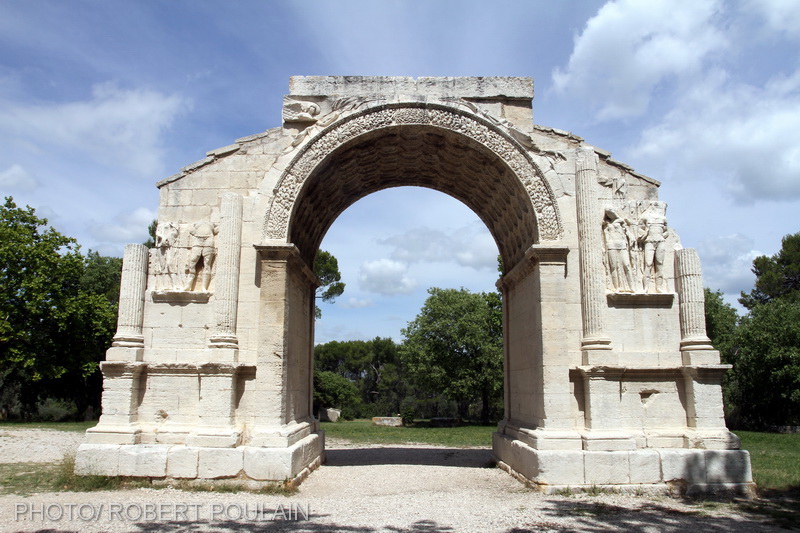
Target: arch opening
(392,246)
(380,226)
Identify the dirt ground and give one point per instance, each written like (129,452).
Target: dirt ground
(394,488)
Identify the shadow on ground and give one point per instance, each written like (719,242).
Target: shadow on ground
(601,516)
(390,455)
(309,526)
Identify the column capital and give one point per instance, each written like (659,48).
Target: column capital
(289,253)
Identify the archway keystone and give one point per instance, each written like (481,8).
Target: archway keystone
(609,377)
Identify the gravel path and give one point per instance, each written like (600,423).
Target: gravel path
(37,445)
(360,489)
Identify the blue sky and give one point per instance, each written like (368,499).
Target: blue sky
(99,100)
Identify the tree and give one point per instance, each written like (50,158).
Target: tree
(373,367)
(326,267)
(53,328)
(777,276)
(101,275)
(721,322)
(454,346)
(765,378)
(151,234)
(333,390)
(764,385)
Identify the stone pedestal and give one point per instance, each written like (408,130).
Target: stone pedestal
(216,427)
(118,423)
(689,472)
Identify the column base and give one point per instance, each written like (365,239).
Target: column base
(128,341)
(224,341)
(599,355)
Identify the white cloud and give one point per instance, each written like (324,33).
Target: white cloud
(727,261)
(745,135)
(357,303)
(780,15)
(121,127)
(470,246)
(387,277)
(632,46)
(126,228)
(16,178)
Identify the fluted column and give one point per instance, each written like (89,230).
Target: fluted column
(692,300)
(696,348)
(590,243)
(131,297)
(226,292)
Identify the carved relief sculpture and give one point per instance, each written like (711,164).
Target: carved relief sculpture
(167,276)
(636,235)
(299,111)
(617,233)
(653,233)
(201,255)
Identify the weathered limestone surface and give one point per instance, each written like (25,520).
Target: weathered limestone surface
(609,375)
(131,298)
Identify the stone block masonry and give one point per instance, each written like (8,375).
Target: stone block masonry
(609,376)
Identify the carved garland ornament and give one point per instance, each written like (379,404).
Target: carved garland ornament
(387,115)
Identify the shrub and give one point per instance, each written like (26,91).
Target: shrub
(55,410)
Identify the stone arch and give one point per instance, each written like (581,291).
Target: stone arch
(602,386)
(361,154)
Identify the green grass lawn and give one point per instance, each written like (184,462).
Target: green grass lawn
(59,426)
(420,433)
(775,458)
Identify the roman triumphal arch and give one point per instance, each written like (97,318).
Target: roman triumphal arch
(609,376)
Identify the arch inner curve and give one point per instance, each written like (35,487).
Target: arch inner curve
(422,156)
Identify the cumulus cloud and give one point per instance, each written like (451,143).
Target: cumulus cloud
(357,303)
(469,246)
(387,277)
(631,47)
(744,134)
(16,178)
(126,228)
(121,127)
(727,261)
